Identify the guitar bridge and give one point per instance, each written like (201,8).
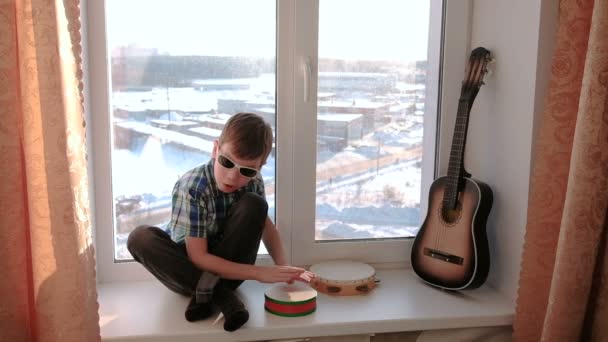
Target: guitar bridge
(433,253)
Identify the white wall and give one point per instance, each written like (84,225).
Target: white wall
(520,35)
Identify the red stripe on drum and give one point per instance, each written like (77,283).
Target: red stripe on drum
(290,310)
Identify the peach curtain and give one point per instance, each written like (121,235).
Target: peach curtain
(563,287)
(47,279)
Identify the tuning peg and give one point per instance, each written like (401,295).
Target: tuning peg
(490,66)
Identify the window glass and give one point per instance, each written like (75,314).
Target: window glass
(177,74)
(372,72)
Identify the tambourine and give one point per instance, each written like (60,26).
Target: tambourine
(290,300)
(343,278)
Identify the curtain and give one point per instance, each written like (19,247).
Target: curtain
(563,286)
(47,279)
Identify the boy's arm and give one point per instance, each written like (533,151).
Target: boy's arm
(272,241)
(273,244)
(197,252)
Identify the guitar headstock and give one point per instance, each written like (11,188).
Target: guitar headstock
(475,70)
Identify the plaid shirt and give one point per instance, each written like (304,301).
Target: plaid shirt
(199,208)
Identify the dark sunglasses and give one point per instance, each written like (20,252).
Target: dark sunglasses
(229,164)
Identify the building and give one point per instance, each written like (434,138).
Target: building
(335,131)
(356,82)
(371,111)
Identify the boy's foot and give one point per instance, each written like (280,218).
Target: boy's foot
(198,311)
(235,314)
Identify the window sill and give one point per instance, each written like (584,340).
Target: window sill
(146,311)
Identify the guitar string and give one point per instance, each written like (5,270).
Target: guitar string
(473,71)
(447,192)
(460,127)
(462,123)
(452,175)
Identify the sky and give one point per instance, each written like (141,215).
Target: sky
(348,29)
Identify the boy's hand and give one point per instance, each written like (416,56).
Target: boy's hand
(305,277)
(278,274)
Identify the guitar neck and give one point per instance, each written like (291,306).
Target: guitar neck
(469,89)
(456,162)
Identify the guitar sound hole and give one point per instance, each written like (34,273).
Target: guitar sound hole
(451,216)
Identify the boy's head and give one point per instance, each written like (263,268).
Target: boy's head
(241,150)
(249,135)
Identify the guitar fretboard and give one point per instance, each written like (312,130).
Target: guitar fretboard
(470,87)
(455,166)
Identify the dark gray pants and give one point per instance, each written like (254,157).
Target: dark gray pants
(168,261)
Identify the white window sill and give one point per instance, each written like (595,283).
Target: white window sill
(146,311)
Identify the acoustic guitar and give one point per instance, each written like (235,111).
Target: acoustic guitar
(451,249)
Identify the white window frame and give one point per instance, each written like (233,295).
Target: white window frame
(296,69)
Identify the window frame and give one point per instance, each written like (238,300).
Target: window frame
(292,217)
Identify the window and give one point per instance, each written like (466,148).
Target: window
(175,78)
(371,68)
(350,87)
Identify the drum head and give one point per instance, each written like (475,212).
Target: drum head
(290,293)
(342,271)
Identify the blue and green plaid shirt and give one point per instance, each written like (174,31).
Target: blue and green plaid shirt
(199,208)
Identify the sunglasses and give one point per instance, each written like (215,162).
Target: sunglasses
(229,164)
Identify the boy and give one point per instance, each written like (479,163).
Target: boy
(219,215)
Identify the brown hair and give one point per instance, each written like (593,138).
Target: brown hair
(249,135)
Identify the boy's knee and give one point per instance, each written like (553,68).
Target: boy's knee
(255,203)
(138,237)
